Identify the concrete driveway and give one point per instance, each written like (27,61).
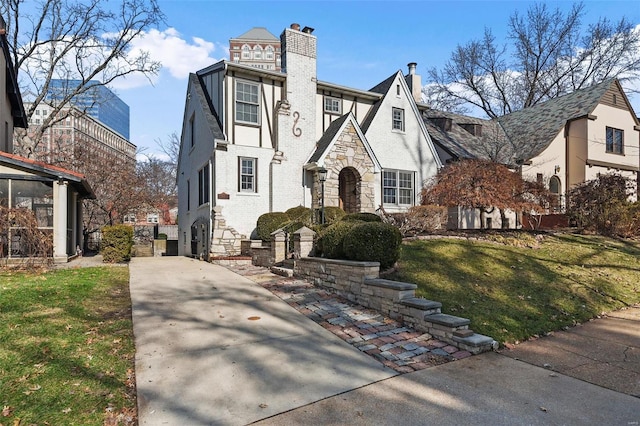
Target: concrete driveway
(213,347)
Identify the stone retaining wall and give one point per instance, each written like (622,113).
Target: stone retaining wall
(359,283)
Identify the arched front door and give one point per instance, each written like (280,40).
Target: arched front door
(555,187)
(349,190)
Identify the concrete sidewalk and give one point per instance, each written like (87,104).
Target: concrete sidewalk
(213,347)
(216,348)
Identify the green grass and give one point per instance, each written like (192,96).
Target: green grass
(513,293)
(66,347)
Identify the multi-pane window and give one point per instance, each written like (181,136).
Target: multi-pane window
(247,172)
(153,218)
(332,105)
(246,52)
(615,141)
(397,187)
(247,102)
(129,218)
(203,185)
(257,52)
(398,119)
(269,53)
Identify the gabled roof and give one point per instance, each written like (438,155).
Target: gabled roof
(330,136)
(381,88)
(257,33)
(532,129)
(48,170)
(13,91)
(518,136)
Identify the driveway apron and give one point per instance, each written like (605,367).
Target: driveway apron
(213,347)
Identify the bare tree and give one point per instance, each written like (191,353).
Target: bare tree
(549,56)
(87,42)
(170,148)
(158,180)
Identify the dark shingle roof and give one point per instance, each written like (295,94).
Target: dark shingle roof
(382,88)
(489,142)
(207,107)
(514,137)
(328,136)
(531,130)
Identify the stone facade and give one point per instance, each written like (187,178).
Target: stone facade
(348,156)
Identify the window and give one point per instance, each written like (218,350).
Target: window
(246,52)
(188,195)
(397,187)
(247,171)
(152,218)
(236,57)
(398,119)
(332,105)
(257,52)
(615,141)
(247,102)
(203,185)
(129,218)
(269,53)
(192,130)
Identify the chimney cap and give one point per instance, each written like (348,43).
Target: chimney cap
(412,67)
(295,26)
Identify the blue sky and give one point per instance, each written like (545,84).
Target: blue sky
(360,43)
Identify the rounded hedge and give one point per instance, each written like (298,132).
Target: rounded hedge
(374,242)
(361,217)
(269,222)
(300,214)
(331,240)
(333,214)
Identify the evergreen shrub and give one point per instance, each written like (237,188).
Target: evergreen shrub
(331,240)
(269,222)
(374,242)
(117,241)
(361,217)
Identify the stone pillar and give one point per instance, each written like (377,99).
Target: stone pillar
(60,204)
(278,246)
(303,242)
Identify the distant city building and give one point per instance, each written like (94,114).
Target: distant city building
(68,140)
(257,48)
(97,101)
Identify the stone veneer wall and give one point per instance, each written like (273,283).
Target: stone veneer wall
(348,151)
(359,283)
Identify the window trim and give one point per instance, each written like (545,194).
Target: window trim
(400,120)
(611,148)
(237,101)
(337,102)
(397,188)
(254,175)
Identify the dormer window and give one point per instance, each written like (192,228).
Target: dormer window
(473,128)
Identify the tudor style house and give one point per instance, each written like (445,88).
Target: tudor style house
(52,193)
(561,142)
(254,140)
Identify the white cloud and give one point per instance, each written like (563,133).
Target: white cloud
(178,56)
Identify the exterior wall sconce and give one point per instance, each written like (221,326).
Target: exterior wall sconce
(322,177)
(557,169)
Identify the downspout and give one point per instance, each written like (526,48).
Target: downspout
(565,189)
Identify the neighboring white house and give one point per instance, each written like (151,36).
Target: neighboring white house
(561,143)
(253,141)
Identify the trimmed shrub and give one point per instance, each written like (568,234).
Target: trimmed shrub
(116,244)
(162,236)
(330,242)
(361,217)
(301,214)
(269,222)
(375,242)
(333,214)
(418,220)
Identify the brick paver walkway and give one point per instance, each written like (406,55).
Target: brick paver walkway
(398,347)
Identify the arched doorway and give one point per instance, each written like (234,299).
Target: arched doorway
(555,187)
(349,190)
(200,238)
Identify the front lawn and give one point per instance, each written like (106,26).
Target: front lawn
(66,348)
(512,293)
